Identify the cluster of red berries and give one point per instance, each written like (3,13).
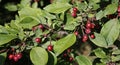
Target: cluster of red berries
(74,12)
(118,10)
(15,57)
(88,27)
(67,56)
(38,27)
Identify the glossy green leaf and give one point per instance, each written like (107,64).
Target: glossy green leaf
(99,15)
(99,40)
(3,58)
(57,7)
(63,1)
(31,12)
(100,63)
(110,31)
(115,58)
(100,53)
(117,51)
(95,1)
(39,56)
(52,60)
(64,43)
(69,27)
(11,7)
(83,60)
(28,22)
(110,9)
(25,3)
(5,38)
(105,60)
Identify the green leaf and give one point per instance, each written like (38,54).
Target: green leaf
(35,5)
(99,15)
(48,15)
(11,7)
(28,22)
(110,31)
(39,56)
(99,40)
(83,60)
(62,1)
(25,3)
(2,58)
(95,1)
(57,7)
(31,12)
(5,38)
(52,60)
(115,58)
(105,60)
(64,43)
(100,53)
(100,63)
(69,27)
(110,9)
(3,30)
(117,51)
(82,6)
(96,6)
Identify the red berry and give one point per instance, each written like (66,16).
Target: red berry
(74,14)
(88,25)
(50,48)
(75,9)
(85,38)
(76,33)
(68,50)
(38,40)
(71,59)
(87,31)
(15,58)
(92,25)
(92,36)
(65,55)
(10,56)
(119,8)
(19,55)
(41,26)
(119,14)
(34,28)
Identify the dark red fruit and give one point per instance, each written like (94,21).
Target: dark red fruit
(74,14)
(15,58)
(119,8)
(19,55)
(76,33)
(65,55)
(68,50)
(87,31)
(119,14)
(50,48)
(92,25)
(92,36)
(85,38)
(38,40)
(41,26)
(34,28)
(75,9)
(71,59)
(10,56)
(88,25)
